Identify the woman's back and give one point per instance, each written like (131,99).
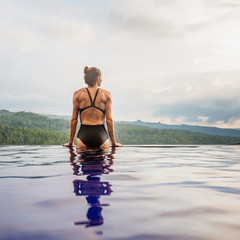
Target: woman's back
(92,105)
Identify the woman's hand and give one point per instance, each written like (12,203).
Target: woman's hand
(117,145)
(68,144)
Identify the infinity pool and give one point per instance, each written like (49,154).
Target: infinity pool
(134,192)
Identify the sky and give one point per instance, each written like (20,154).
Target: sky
(168,61)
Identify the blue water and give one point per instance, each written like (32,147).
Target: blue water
(161,192)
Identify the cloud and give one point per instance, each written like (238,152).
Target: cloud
(231,123)
(44,33)
(169,19)
(66,31)
(32,102)
(201,98)
(145,26)
(159,58)
(208,110)
(192,87)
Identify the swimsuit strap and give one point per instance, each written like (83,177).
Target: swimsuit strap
(92,101)
(95,97)
(90,97)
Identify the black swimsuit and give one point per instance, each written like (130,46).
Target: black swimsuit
(92,135)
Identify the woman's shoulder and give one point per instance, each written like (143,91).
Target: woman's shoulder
(106,94)
(105,91)
(79,91)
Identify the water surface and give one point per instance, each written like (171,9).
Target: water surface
(160,192)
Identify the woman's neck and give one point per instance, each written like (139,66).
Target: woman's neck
(92,87)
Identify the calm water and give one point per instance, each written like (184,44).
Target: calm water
(182,193)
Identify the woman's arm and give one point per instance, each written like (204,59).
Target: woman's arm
(73,122)
(110,123)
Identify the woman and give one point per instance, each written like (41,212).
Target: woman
(93,104)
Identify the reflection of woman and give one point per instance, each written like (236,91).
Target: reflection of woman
(93,104)
(93,165)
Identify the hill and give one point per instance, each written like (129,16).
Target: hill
(4,112)
(31,128)
(125,133)
(32,120)
(134,134)
(27,136)
(200,129)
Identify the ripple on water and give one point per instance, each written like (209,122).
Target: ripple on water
(148,192)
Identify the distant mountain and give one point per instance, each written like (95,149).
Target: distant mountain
(200,129)
(4,112)
(32,120)
(136,134)
(19,128)
(65,117)
(127,134)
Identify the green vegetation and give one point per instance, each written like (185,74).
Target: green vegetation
(200,129)
(26,136)
(134,134)
(24,128)
(4,112)
(32,120)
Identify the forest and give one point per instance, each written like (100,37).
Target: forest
(28,136)
(32,120)
(26,128)
(135,134)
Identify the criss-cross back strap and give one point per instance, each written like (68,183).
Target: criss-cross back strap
(92,101)
(95,97)
(89,96)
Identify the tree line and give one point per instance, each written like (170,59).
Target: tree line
(134,134)
(27,136)
(33,120)
(24,128)
(125,133)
